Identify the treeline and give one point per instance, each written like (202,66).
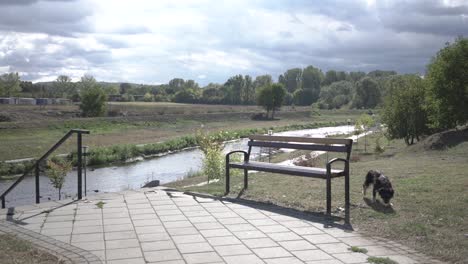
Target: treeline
(415,106)
(329,90)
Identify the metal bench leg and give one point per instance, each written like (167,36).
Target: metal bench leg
(246,179)
(227,177)
(328,195)
(347,202)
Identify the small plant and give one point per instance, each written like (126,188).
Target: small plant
(379,260)
(358,249)
(57,171)
(100,204)
(378,148)
(211,146)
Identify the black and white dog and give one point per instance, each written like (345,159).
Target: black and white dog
(381,184)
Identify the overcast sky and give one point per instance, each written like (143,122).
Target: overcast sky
(148,41)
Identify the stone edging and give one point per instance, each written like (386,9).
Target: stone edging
(67,252)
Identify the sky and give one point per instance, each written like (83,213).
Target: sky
(151,42)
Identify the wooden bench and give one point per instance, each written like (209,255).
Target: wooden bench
(299,143)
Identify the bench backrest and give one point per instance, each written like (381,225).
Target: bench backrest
(302,143)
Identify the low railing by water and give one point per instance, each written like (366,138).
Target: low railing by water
(36,165)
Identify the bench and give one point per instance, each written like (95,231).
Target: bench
(298,143)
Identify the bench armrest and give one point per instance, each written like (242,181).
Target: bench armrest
(246,155)
(330,162)
(337,159)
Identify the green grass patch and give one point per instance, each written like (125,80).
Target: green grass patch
(100,204)
(379,260)
(358,249)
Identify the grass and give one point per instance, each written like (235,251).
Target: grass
(358,249)
(100,204)
(14,250)
(429,212)
(378,260)
(34,137)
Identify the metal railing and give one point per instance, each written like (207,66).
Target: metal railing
(36,165)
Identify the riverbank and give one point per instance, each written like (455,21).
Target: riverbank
(429,211)
(119,154)
(34,137)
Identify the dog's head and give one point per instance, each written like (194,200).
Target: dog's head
(386,194)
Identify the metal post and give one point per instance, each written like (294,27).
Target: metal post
(270,132)
(227,175)
(85,153)
(38,195)
(80,166)
(347,202)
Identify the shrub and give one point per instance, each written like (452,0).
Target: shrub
(57,171)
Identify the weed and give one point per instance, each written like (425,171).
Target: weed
(379,260)
(100,204)
(358,249)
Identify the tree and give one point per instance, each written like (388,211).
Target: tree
(335,95)
(148,97)
(125,88)
(186,96)
(311,80)
(367,94)
(93,101)
(291,79)
(63,87)
(57,172)
(403,110)
(278,93)
(447,79)
(303,97)
(365,121)
(265,98)
(234,88)
(271,98)
(9,84)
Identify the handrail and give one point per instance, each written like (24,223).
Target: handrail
(38,162)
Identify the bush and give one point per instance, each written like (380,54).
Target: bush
(93,102)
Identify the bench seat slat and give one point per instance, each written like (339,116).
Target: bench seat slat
(332,148)
(285,169)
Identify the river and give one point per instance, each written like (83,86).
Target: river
(168,168)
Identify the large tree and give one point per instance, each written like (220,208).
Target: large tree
(335,95)
(271,98)
(311,80)
(278,92)
(367,94)
(9,84)
(403,110)
(291,79)
(93,98)
(447,78)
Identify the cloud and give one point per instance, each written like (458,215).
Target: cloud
(148,41)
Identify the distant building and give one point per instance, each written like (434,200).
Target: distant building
(26,101)
(6,100)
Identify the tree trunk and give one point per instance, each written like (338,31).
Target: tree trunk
(365,142)
(272,114)
(60,193)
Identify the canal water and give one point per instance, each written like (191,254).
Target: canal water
(168,168)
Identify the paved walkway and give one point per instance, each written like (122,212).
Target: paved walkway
(159,225)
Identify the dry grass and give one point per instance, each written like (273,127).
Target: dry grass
(23,140)
(430,203)
(14,251)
